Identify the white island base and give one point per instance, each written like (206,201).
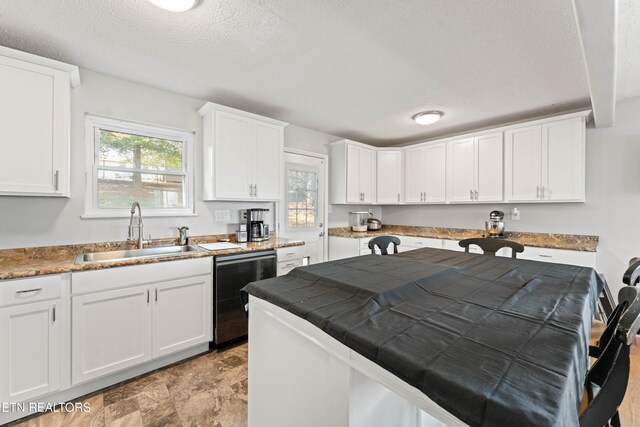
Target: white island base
(301,377)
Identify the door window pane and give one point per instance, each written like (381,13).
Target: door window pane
(302,198)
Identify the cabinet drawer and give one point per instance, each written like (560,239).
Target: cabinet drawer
(421,242)
(453,245)
(285,267)
(289,253)
(33,289)
(560,256)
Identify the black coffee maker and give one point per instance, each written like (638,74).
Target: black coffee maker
(257,230)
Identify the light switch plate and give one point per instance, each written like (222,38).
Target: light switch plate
(222,215)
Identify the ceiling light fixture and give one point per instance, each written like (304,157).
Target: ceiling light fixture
(427,117)
(175,5)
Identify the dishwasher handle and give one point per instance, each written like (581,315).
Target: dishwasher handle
(238,261)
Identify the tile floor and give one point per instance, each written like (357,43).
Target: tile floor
(208,391)
(211,390)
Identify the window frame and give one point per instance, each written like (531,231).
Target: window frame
(93,125)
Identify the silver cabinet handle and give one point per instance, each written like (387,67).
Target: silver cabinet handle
(545,256)
(255,190)
(250,190)
(147,296)
(291,264)
(26,291)
(156,294)
(476,194)
(471,194)
(537,191)
(53,314)
(398,197)
(544,190)
(56,180)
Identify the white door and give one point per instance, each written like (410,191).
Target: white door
(30,353)
(302,215)
(268,154)
(368,175)
(111,331)
(489,168)
(563,160)
(435,173)
(234,156)
(414,165)
(461,170)
(523,163)
(181,314)
(389,177)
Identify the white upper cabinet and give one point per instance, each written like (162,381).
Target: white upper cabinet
(545,162)
(243,155)
(35,122)
(475,169)
(425,174)
(389,177)
(353,173)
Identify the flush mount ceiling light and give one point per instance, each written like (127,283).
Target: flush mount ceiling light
(175,5)
(427,117)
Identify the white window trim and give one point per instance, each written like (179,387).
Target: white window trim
(92,125)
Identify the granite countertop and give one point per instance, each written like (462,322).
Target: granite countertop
(28,262)
(571,242)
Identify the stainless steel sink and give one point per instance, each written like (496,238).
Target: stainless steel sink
(135,253)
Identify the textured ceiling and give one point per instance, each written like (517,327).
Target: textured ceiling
(357,69)
(628,81)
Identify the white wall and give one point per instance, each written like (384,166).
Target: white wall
(612,209)
(34,221)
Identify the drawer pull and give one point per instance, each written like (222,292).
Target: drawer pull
(53,315)
(26,291)
(545,256)
(291,253)
(291,264)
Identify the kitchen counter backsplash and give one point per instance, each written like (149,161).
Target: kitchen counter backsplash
(36,261)
(572,242)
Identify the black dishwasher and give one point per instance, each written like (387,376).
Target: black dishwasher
(232,273)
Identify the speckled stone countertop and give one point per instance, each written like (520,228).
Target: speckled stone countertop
(571,242)
(27,262)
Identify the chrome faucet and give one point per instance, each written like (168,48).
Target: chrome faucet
(138,226)
(184,239)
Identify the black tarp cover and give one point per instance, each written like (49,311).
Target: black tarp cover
(494,341)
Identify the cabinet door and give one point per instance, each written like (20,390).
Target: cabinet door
(563,160)
(343,247)
(461,170)
(181,314)
(111,331)
(235,140)
(368,175)
(523,164)
(389,177)
(34,118)
(354,193)
(268,161)
(434,173)
(490,168)
(414,165)
(30,354)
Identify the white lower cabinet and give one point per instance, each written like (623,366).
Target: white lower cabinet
(31,327)
(156,310)
(288,259)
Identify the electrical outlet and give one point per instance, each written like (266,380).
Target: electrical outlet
(515,214)
(221,215)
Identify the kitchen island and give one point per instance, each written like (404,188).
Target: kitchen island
(424,338)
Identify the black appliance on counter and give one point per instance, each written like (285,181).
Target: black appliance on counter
(257,230)
(232,273)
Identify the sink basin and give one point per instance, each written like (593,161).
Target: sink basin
(135,253)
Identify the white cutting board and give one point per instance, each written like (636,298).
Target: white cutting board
(219,246)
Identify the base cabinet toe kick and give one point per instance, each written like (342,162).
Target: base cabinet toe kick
(67,335)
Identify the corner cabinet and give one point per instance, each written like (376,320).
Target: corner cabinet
(243,155)
(353,173)
(546,162)
(389,177)
(35,110)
